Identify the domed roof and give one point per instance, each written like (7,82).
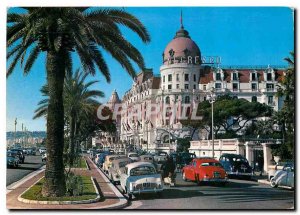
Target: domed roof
(114,98)
(180,48)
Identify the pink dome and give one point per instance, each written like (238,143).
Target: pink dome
(181,47)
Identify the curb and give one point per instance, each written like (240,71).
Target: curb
(16,184)
(123,201)
(88,201)
(263,181)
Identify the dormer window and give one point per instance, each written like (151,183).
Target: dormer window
(218,76)
(171,52)
(269,76)
(186,52)
(254,76)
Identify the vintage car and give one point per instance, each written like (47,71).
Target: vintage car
(20,154)
(108,161)
(147,158)
(117,168)
(205,170)
(140,177)
(184,158)
(284,177)
(44,156)
(133,156)
(100,158)
(12,159)
(42,150)
(160,156)
(236,165)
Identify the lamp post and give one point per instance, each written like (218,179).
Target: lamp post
(15,131)
(212,99)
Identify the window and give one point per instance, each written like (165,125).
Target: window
(253,76)
(195,77)
(234,76)
(186,77)
(235,87)
(218,85)
(142,170)
(204,87)
(270,100)
(194,86)
(204,98)
(170,86)
(177,86)
(270,87)
(186,86)
(169,78)
(253,87)
(218,76)
(269,76)
(177,77)
(187,100)
(167,100)
(254,99)
(164,78)
(176,98)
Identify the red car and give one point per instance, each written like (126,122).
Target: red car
(205,170)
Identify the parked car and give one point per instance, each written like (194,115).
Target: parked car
(160,156)
(205,170)
(147,158)
(12,159)
(133,156)
(42,150)
(184,158)
(284,177)
(44,156)
(20,154)
(140,177)
(108,161)
(279,166)
(117,168)
(236,165)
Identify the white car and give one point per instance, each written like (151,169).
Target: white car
(134,156)
(140,177)
(284,177)
(42,150)
(108,161)
(117,168)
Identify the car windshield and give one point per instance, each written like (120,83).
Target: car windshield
(239,159)
(148,159)
(11,154)
(142,170)
(133,155)
(162,153)
(211,164)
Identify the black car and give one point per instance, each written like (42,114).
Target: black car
(20,154)
(236,165)
(184,158)
(12,159)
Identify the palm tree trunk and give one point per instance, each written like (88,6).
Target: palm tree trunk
(55,184)
(72,144)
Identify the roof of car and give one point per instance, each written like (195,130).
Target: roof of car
(140,163)
(232,155)
(206,159)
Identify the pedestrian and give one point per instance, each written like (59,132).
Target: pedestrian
(168,169)
(260,161)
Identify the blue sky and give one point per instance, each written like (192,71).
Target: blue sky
(240,35)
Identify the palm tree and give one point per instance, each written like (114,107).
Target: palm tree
(79,102)
(58,32)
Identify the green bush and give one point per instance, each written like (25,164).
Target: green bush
(74,185)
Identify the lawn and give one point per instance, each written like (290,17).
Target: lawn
(35,192)
(80,163)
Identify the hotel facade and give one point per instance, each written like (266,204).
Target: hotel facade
(186,78)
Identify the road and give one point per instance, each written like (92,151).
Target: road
(31,164)
(237,194)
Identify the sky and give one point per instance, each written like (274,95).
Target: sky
(239,35)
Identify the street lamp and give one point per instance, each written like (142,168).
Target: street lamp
(212,99)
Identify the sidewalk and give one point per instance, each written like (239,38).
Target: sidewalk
(112,198)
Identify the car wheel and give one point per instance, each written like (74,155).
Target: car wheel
(183,176)
(273,183)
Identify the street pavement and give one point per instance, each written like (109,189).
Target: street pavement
(31,164)
(237,194)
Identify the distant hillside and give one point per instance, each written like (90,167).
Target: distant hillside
(38,134)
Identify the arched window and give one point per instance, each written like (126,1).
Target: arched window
(167,100)
(187,100)
(254,99)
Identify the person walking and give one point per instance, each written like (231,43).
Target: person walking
(168,169)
